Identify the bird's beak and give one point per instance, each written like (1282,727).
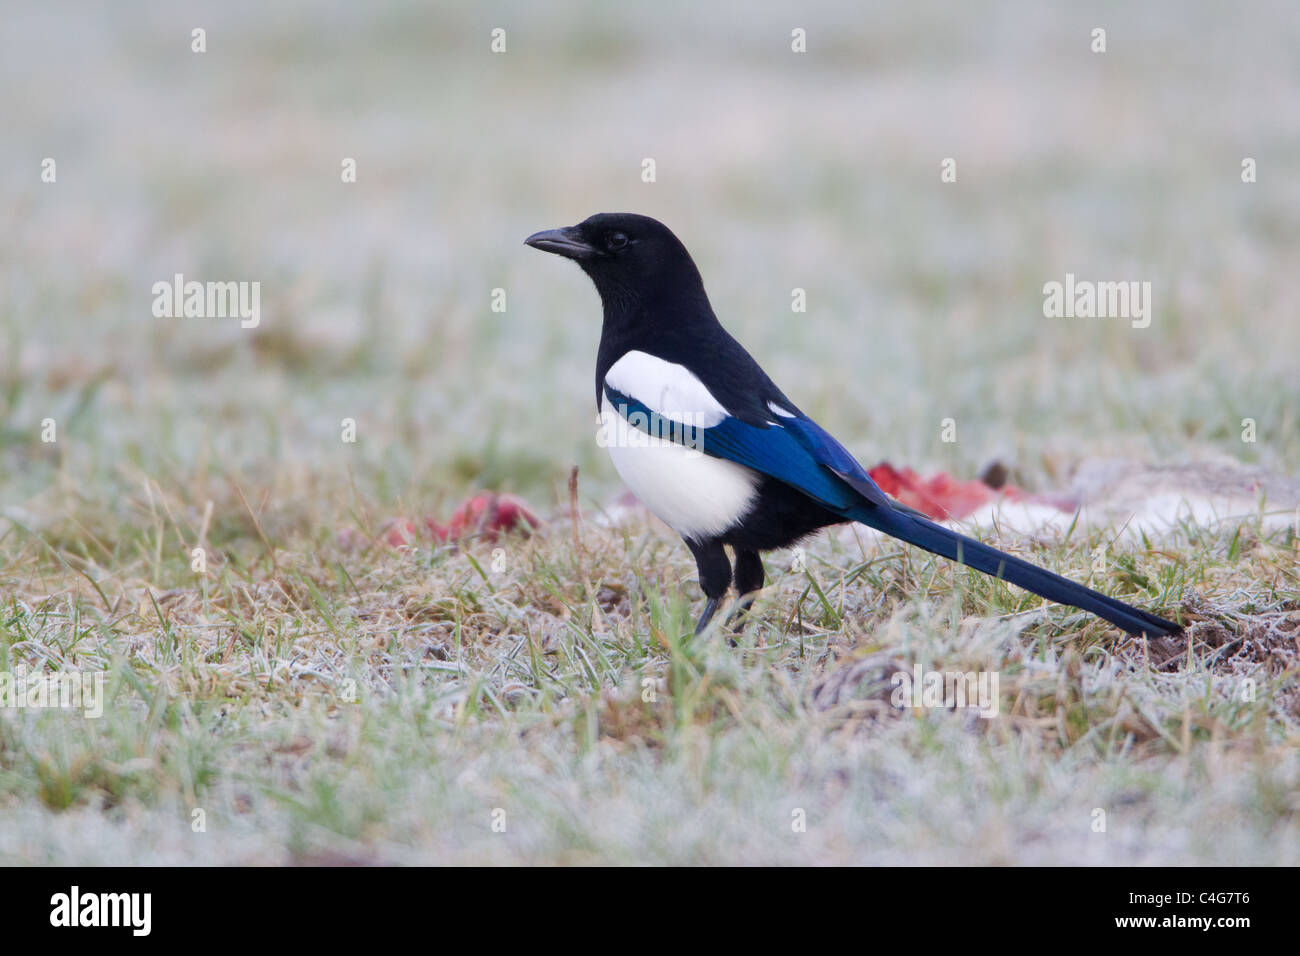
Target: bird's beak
(563,242)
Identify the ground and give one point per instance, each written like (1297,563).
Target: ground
(314,694)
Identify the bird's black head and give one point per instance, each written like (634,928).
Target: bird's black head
(630,258)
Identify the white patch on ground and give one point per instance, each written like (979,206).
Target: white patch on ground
(1153,499)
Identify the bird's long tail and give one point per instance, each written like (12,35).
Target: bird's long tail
(942,541)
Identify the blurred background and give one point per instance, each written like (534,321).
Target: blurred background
(779,170)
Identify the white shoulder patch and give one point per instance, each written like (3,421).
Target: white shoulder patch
(667,388)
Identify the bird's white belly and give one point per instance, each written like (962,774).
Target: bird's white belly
(696,495)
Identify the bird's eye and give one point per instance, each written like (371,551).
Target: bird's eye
(616,240)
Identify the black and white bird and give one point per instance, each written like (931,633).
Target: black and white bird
(709,444)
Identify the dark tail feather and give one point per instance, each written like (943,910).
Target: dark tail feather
(940,540)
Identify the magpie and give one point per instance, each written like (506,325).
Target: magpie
(708,442)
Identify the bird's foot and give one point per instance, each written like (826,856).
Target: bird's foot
(710,609)
(736,618)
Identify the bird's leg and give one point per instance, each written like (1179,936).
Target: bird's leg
(715,576)
(749,580)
